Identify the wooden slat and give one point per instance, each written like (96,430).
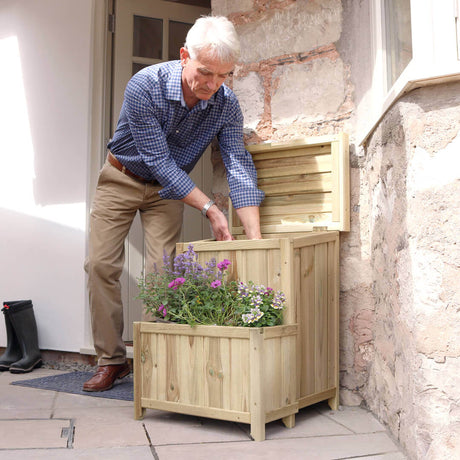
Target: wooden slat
(317,218)
(186,369)
(226,375)
(321,298)
(313,398)
(161,360)
(299,309)
(172,365)
(288,370)
(240,374)
(310,239)
(148,347)
(302,201)
(307,320)
(297,184)
(336,172)
(280,331)
(213,372)
(291,166)
(333,319)
(204,331)
(299,142)
(344,190)
(208,246)
(221,414)
(271,389)
(299,152)
(288,210)
(286,274)
(283,412)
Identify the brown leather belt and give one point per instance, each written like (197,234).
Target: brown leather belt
(115,163)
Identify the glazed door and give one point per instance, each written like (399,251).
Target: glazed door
(147,32)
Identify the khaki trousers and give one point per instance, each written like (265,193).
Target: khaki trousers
(118,197)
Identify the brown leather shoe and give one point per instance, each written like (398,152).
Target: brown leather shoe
(104,377)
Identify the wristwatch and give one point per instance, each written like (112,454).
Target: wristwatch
(206,207)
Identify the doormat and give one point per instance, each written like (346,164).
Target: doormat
(72,382)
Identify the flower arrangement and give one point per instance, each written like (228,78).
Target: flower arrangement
(187,293)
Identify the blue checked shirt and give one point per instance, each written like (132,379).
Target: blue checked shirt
(159,138)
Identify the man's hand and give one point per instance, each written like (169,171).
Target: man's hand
(248,215)
(219,224)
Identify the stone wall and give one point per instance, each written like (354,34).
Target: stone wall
(412,190)
(305,71)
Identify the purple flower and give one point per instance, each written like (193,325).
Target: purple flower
(223,265)
(215,284)
(162,310)
(176,283)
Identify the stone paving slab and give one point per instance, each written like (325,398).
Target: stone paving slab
(106,428)
(33,434)
(67,400)
(316,448)
(171,428)
(20,398)
(115,453)
(355,419)
(308,422)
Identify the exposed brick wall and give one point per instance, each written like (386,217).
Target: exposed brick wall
(275,58)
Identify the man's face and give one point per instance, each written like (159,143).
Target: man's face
(203,76)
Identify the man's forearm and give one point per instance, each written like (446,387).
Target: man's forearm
(249,216)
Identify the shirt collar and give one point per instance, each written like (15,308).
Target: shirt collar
(174,88)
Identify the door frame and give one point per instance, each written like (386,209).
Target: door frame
(99,126)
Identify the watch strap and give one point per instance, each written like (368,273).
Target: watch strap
(206,207)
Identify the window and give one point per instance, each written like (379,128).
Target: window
(415,43)
(397,38)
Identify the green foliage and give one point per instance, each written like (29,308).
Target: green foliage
(185,292)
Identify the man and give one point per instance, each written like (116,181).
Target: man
(170,114)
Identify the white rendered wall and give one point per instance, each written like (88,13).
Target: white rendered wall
(45,65)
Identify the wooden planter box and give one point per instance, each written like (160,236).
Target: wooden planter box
(256,375)
(306,269)
(230,373)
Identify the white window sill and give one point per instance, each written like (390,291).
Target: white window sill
(402,87)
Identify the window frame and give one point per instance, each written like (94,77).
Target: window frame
(435,54)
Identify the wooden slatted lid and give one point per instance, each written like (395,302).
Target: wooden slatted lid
(306,185)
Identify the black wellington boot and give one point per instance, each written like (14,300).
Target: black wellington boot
(23,320)
(13,350)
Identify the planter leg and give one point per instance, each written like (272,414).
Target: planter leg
(258,431)
(334,401)
(139,412)
(289,421)
(257,408)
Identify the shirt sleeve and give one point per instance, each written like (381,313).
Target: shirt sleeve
(241,172)
(151,143)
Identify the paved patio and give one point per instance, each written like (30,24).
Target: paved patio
(41,424)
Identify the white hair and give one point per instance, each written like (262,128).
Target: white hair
(215,35)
